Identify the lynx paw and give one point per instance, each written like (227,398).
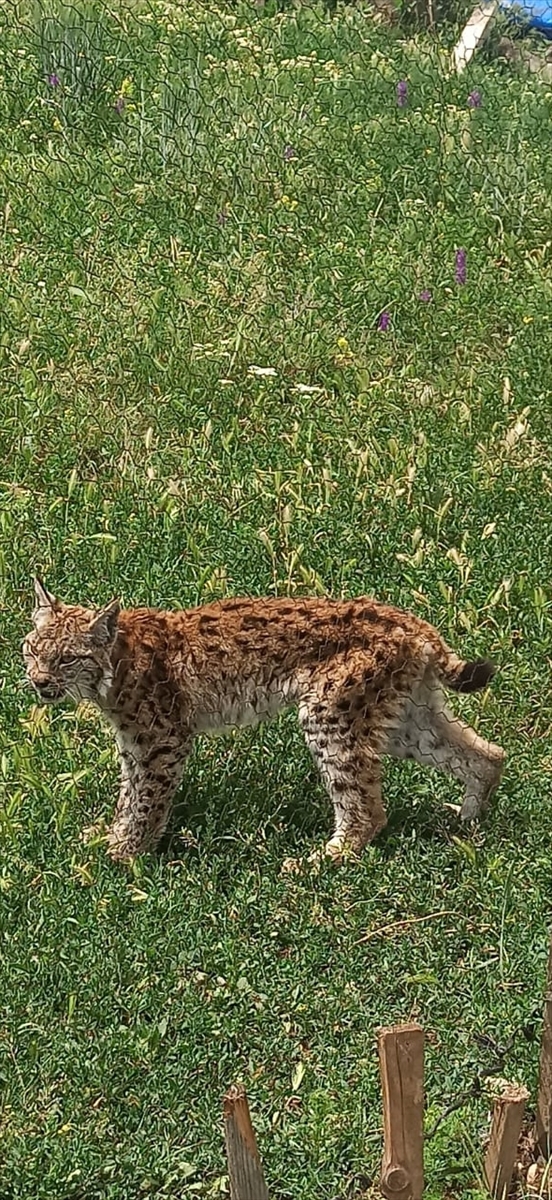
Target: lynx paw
(291,866)
(470,809)
(341,849)
(338,850)
(120,847)
(453,808)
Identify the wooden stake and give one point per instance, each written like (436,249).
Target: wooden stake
(500,1159)
(401,1056)
(244,1165)
(544,1102)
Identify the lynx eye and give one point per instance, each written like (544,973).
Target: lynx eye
(67,660)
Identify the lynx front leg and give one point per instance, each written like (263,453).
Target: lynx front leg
(149,779)
(351,771)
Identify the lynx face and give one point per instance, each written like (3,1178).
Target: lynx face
(67,654)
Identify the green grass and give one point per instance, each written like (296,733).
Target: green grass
(150,258)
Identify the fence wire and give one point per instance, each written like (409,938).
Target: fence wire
(219,225)
(262,266)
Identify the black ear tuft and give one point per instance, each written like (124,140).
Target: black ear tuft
(46,605)
(44,598)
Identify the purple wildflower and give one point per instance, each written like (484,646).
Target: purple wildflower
(222,216)
(474,99)
(402,93)
(426,296)
(289,153)
(120,104)
(54,80)
(460,273)
(384,322)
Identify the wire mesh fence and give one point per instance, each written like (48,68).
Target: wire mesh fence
(264,208)
(274,319)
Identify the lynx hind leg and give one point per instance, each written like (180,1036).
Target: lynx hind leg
(482,786)
(351,771)
(430,733)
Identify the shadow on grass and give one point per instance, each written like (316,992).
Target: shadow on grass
(254,801)
(238,804)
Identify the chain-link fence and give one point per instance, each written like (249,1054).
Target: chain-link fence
(274,319)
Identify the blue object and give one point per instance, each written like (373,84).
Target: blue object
(537,14)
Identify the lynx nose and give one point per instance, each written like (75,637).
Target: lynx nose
(45,687)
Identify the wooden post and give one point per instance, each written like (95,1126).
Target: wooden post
(500,1158)
(544,1101)
(474,32)
(244,1165)
(401,1056)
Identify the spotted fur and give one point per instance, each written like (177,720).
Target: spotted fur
(366,680)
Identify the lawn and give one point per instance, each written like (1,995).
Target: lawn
(239,356)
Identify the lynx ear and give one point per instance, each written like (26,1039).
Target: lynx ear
(103,626)
(46,604)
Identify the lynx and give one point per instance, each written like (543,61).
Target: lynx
(366,680)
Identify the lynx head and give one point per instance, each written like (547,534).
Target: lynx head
(69,651)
